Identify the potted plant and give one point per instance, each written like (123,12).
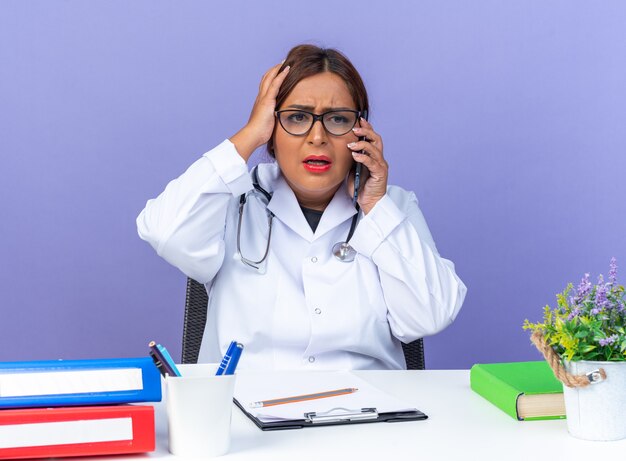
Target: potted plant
(584,340)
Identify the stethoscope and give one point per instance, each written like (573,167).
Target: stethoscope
(343,251)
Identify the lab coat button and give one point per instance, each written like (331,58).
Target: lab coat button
(314,259)
(318,310)
(311,359)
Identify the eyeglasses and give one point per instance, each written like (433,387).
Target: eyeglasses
(300,122)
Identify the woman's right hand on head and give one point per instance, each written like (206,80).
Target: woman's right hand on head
(260,126)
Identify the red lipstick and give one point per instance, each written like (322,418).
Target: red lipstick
(317,163)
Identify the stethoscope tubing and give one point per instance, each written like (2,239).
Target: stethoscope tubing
(341,250)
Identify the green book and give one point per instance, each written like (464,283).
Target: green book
(524,390)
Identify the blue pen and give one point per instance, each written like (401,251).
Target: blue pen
(168,359)
(226,359)
(159,360)
(234,359)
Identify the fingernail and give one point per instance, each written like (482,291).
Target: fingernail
(351,144)
(356,129)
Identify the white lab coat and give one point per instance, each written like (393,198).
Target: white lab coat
(304,309)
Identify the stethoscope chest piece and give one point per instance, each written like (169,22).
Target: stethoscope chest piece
(344,252)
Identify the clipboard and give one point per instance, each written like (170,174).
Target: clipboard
(335,416)
(368,404)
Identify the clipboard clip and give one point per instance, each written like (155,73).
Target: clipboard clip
(340,414)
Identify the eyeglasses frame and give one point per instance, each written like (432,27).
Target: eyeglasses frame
(318,117)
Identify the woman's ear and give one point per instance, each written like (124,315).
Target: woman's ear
(270,144)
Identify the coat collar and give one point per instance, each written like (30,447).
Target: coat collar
(285,207)
(339,209)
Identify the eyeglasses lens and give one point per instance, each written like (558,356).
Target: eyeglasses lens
(298,123)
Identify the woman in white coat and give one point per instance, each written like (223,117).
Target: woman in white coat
(268,244)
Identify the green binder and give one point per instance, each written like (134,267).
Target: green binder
(524,390)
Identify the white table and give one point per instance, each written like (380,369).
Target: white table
(461,426)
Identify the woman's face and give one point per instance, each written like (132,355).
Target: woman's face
(316,164)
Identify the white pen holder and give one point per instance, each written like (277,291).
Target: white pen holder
(199,409)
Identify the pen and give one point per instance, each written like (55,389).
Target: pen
(163,360)
(168,358)
(301,398)
(226,359)
(158,360)
(234,359)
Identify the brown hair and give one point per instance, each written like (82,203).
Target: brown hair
(309,60)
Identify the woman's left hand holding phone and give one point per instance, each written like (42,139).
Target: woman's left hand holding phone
(369,152)
(260,125)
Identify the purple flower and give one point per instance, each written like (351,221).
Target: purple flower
(610,340)
(601,300)
(613,271)
(584,288)
(574,313)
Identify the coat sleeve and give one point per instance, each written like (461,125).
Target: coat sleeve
(185,223)
(421,289)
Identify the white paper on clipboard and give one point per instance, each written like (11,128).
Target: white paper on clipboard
(253,386)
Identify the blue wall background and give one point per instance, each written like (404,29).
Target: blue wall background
(506,118)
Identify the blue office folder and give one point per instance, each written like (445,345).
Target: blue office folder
(55,383)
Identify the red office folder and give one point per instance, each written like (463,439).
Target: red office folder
(76,431)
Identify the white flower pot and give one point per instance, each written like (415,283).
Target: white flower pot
(597,411)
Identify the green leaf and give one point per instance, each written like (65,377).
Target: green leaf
(587,348)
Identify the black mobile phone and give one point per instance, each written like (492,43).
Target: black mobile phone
(357,169)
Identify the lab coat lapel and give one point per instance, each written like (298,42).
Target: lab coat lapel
(338,210)
(285,207)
